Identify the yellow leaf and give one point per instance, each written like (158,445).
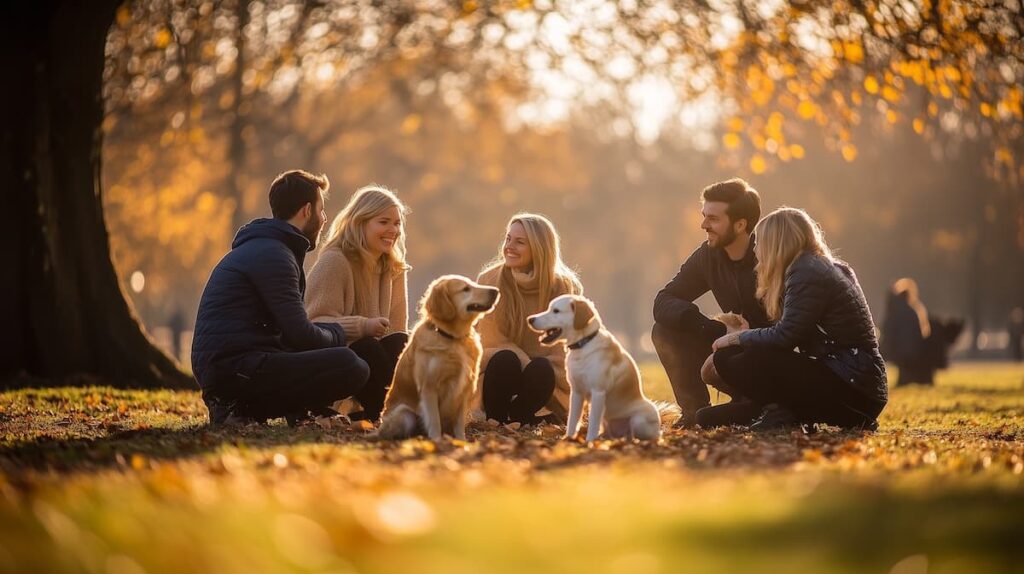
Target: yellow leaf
(892,117)
(124,14)
(891,94)
(162,39)
(797,151)
(758,165)
(731,140)
(871,85)
(812,455)
(411,124)
(138,461)
(919,125)
(933,109)
(849,152)
(853,52)
(986,109)
(806,109)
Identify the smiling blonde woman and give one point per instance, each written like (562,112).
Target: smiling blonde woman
(359,282)
(521,376)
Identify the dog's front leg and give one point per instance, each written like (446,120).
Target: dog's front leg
(596,415)
(459,432)
(431,414)
(575,413)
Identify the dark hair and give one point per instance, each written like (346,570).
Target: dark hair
(744,201)
(293,189)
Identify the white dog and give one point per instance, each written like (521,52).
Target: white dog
(600,371)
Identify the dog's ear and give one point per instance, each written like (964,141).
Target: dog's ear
(583,314)
(439,304)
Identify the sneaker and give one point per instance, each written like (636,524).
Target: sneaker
(774,417)
(737,412)
(227,413)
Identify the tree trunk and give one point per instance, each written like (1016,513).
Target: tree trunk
(236,146)
(63,307)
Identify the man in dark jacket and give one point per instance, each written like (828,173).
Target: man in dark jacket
(724,265)
(255,354)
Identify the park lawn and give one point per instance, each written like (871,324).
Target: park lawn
(102,480)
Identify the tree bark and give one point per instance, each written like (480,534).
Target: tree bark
(63,306)
(236,146)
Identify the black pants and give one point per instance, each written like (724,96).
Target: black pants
(382,356)
(797,382)
(515,393)
(682,354)
(271,385)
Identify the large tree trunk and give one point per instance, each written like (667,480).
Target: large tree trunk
(63,306)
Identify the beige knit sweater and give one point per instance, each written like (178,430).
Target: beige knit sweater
(528,346)
(331,296)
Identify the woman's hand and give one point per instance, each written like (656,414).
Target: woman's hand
(376,327)
(727,340)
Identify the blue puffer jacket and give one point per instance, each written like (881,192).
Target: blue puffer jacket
(253,303)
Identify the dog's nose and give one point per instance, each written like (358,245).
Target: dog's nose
(530,320)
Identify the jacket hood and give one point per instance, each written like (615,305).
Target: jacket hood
(266,228)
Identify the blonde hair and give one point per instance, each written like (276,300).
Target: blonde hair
(908,287)
(781,237)
(554,277)
(347,233)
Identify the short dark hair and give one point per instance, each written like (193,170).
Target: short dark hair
(293,189)
(744,201)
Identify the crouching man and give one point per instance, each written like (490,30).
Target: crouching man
(724,265)
(255,354)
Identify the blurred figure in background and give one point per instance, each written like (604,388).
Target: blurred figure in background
(1016,331)
(904,333)
(176,324)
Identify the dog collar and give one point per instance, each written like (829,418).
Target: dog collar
(583,341)
(444,333)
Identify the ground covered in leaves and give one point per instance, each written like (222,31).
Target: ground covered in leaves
(102,480)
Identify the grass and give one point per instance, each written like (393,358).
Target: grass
(103,480)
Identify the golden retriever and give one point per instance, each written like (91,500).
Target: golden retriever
(600,371)
(437,373)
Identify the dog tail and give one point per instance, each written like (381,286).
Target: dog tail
(400,423)
(667,412)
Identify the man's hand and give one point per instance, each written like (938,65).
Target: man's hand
(376,327)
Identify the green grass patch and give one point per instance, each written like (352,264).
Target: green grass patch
(103,480)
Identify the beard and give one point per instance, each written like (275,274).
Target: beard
(724,240)
(311,231)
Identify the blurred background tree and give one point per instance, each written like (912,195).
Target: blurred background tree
(897,124)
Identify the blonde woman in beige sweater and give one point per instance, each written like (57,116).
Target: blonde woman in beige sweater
(520,375)
(359,282)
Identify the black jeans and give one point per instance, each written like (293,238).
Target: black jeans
(382,357)
(798,382)
(515,393)
(271,385)
(683,353)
